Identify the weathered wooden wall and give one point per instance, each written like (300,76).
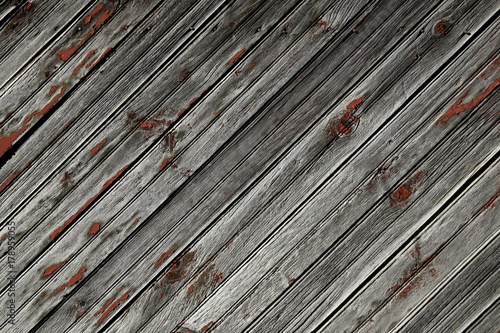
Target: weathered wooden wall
(250,166)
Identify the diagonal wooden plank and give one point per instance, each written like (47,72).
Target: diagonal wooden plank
(488,321)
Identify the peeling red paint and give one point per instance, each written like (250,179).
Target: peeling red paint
(207,326)
(3,237)
(236,56)
(7,141)
(135,221)
(96,10)
(164,163)
(98,146)
(66,54)
(163,257)
(104,307)
(94,229)
(74,279)
(112,307)
(84,60)
(191,289)
(52,91)
(323,24)
(153,123)
(192,101)
(8,181)
(104,17)
(401,195)
(251,66)
(73,217)
(51,269)
(458,107)
(343,125)
(355,103)
(47,107)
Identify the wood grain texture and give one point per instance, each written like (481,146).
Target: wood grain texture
(250,166)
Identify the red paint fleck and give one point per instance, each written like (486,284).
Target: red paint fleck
(150,124)
(181,112)
(42,293)
(73,217)
(411,287)
(178,269)
(191,102)
(433,272)
(355,103)
(343,125)
(93,64)
(80,313)
(112,307)
(104,17)
(191,289)
(96,10)
(323,24)
(28,5)
(74,279)
(46,108)
(218,277)
(163,257)
(3,237)
(251,66)
(8,181)
(51,269)
(94,229)
(98,146)
(6,141)
(52,91)
(164,163)
(104,307)
(401,195)
(207,326)
(458,107)
(236,56)
(84,60)
(442,27)
(490,204)
(135,221)
(66,54)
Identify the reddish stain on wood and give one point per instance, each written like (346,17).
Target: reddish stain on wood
(135,221)
(104,307)
(490,204)
(9,180)
(171,141)
(94,11)
(251,66)
(323,24)
(112,307)
(104,17)
(87,204)
(52,91)
(236,56)
(458,107)
(74,279)
(164,257)
(355,103)
(191,289)
(46,108)
(7,140)
(403,193)
(3,237)
(207,326)
(51,269)
(153,123)
(98,146)
(442,27)
(84,60)
(178,269)
(94,229)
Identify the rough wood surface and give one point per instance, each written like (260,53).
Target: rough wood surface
(250,166)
